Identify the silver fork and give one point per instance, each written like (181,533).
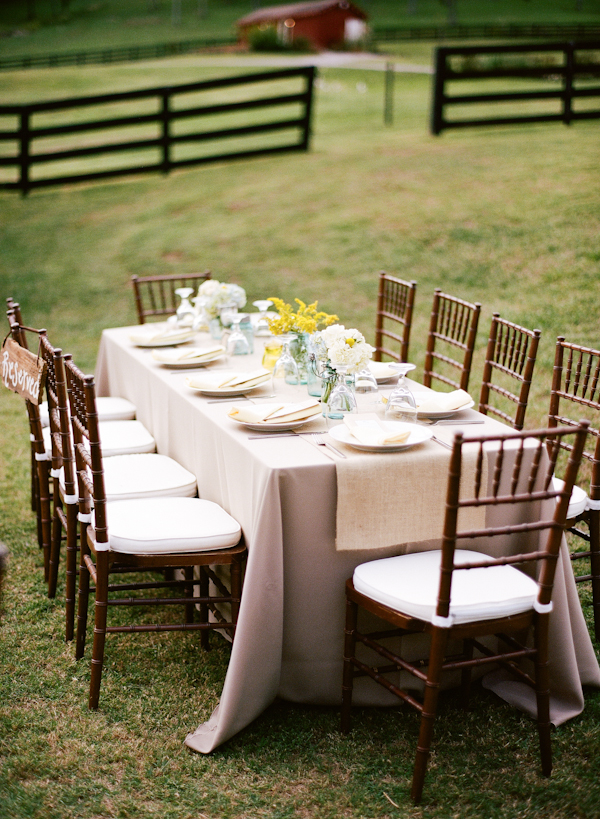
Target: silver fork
(319,438)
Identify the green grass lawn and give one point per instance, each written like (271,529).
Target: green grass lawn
(509,217)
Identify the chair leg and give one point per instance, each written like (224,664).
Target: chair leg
(542,691)
(236,594)
(432,690)
(348,678)
(100,612)
(465,676)
(188,573)
(83,595)
(594,525)
(44,513)
(71,571)
(204,634)
(54,559)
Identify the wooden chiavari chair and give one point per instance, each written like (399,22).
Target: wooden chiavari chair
(395,303)
(141,535)
(418,593)
(453,326)
(576,392)
(510,356)
(40,460)
(155,295)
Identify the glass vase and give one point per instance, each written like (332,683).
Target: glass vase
(299,350)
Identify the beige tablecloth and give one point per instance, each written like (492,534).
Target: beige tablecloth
(289,641)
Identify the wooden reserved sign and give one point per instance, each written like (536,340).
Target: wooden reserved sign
(23,372)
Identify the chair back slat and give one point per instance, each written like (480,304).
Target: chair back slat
(393,321)
(529,483)
(453,324)
(575,392)
(155,295)
(510,355)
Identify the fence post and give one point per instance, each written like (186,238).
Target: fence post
(310,84)
(568,88)
(165,139)
(388,109)
(24,161)
(437,105)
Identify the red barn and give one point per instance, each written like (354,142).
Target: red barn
(324,23)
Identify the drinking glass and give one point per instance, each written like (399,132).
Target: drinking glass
(262,325)
(401,404)
(271,354)
(227,314)
(341,401)
(185,314)
(237,343)
(285,370)
(201,319)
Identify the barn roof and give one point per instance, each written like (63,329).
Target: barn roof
(306,9)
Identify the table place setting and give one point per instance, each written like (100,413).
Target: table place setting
(227,384)
(440,405)
(161,335)
(275,417)
(369,433)
(188,357)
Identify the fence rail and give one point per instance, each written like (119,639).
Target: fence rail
(479,63)
(486,31)
(165,118)
(123,54)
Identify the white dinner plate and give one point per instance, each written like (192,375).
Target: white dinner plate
(272,426)
(224,392)
(169,340)
(418,435)
(172,358)
(438,416)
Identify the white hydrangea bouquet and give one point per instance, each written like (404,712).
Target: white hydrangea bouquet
(343,349)
(215,295)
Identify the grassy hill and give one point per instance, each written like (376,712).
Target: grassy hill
(49,26)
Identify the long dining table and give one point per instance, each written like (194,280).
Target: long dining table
(283,490)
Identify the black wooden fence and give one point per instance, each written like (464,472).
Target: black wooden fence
(117,54)
(169,143)
(565,72)
(487,31)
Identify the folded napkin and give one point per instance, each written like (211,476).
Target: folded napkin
(227,381)
(157,336)
(373,432)
(185,353)
(275,413)
(441,401)
(381,369)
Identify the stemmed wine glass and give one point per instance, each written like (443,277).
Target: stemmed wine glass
(262,325)
(401,404)
(285,369)
(185,314)
(237,343)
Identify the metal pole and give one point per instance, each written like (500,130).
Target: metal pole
(388,111)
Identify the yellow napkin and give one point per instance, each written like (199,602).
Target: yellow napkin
(251,414)
(184,353)
(373,432)
(275,413)
(227,381)
(441,401)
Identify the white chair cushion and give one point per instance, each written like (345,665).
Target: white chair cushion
(578,501)
(110,408)
(118,438)
(146,476)
(409,583)
(169,525)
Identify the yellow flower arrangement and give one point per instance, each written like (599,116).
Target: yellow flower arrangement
(305,319)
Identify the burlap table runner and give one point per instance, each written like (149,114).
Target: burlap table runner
(390,499)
